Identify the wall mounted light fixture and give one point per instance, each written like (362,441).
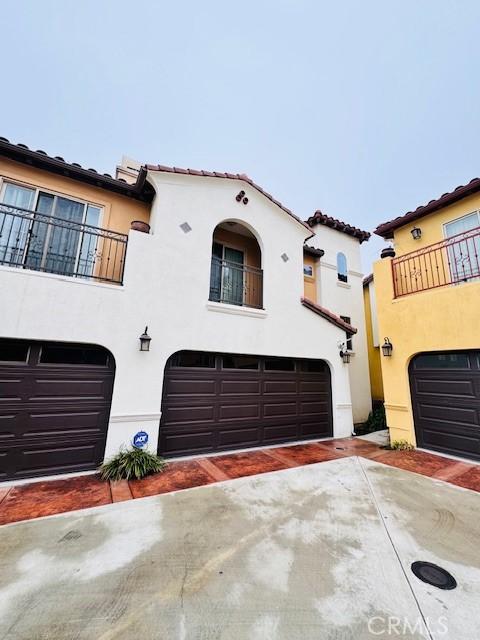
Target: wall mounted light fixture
(387,347)
(345,354)
(416,233)
(145,341)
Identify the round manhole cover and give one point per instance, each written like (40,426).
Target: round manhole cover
(434,575)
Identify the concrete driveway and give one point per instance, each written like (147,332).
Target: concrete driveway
(318,552)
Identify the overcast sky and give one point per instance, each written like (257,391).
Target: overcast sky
(362,109)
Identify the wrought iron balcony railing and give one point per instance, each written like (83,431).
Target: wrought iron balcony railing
(32,240)
(449,262)
(235,283)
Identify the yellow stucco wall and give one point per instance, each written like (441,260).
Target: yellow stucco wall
(117,211)
(440,319)
(374,364)
(432,225)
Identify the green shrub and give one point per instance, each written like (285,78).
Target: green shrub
(131,464)
(401,445)
(376,421)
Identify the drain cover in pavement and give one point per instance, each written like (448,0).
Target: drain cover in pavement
(434,575)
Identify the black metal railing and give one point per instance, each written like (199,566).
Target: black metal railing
(234,283)
(451,261)
(33,240)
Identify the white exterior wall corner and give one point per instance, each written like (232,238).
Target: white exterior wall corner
(166,286)
(346,301)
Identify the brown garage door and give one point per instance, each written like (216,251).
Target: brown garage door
(215,402)
(54,407)
(445,391)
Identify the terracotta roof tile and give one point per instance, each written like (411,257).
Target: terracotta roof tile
(232,176)
(141,190)
(313,251)
(320,218)
(328,315)
(386,229)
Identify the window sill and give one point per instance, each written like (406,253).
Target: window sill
(233,309)
(345,285)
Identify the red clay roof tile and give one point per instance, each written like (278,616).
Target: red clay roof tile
(320,218)
(386,229)
(328,315)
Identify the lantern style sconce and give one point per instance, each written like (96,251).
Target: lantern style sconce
(145,341)
(345,354)
(387,347)
(416,233)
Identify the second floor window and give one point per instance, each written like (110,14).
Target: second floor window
(342,271)
(52,237)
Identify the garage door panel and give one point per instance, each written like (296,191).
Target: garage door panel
(449,387)
(46,390)
(250,407)
(189,414)
(271,387)
(179,388)
(314,386)
(279,409)
(239,411)
(459,443)
(64,424)
(314,429)
(179,443)
(457,415)
(280,433)
(12,389)
(240,387)
(446,402)
(54,418)
(239,437)
(59,458)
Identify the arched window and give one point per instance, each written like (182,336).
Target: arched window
(342,273)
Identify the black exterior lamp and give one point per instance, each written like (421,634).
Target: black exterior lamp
(145,341)
(345,354)
(416,233)
(387,347)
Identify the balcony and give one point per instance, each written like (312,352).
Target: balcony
(32,240)
(234,283)
(450,262)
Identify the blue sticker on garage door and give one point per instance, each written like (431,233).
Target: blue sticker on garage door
(140,439)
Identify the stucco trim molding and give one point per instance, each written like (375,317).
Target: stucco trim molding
(344,405)
(133,417)
(232,309)
(396,407)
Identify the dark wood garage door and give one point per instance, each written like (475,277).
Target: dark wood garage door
(445,391)
(214,402)
(54,407)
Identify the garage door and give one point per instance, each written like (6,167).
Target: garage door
(214,402)
(54,407)
(446,402)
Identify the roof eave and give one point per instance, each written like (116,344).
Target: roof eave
(40,160)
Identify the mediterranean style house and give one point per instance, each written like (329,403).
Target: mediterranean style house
(187,308)
(427,290)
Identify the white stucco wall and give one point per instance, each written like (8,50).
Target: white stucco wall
(166,287)
(346,299)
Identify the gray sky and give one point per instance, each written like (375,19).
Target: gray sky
(362,109)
